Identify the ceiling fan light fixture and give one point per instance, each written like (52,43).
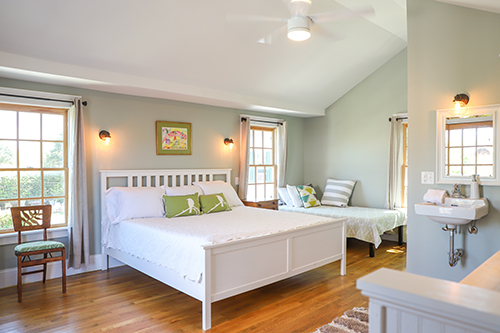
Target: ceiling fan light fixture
(299,28)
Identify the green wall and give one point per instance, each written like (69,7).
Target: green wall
(451,50)
(131,122)
(352,140)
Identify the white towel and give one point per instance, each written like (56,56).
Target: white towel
(435,196)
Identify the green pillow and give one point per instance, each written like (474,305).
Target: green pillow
(181,205)
(213,203)
(307,194)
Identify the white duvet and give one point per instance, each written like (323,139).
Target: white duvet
(176,243)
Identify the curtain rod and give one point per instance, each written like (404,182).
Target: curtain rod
(263,121)
(42,98)
(397,118)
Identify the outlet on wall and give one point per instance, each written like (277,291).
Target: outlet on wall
(427,177)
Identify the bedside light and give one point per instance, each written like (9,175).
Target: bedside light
(229,143)
(459,105)
(105,136)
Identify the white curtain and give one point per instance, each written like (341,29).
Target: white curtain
(394,188)
(282,153)
(244,156)
(78,206)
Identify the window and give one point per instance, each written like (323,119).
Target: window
(33,161)
(404,167)
(469,147)
(262,165)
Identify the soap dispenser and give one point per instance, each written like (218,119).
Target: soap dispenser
(474,187)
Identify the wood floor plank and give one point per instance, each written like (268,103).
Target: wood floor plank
(125,300)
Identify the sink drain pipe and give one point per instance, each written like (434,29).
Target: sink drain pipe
(454,254)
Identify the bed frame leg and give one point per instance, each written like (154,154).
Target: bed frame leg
(372,250)
(206,315)
(400,235)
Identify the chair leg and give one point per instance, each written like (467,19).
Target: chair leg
(19,280)
(63,254)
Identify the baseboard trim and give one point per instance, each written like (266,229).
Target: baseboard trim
(8,276)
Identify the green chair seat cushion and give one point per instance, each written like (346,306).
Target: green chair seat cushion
(37,246)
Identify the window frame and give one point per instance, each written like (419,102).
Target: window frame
(10,106)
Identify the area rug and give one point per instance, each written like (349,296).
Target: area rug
(352,321)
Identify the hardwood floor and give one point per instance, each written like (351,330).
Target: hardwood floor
(125,300)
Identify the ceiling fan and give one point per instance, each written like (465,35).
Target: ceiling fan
(298,25)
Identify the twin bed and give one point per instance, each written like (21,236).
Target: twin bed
(211,256)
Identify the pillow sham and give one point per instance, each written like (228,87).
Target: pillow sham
(125,203)
(308,196)
(181,205)
(284,196)
(294,196)
(337,192)
(219,186)
(183,190)
(213,203)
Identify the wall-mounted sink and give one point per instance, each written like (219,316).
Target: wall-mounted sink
(454,211)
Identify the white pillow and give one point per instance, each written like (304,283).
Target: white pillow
(183,190)
(294,195)
(284,196)
(219,186)
(124,203)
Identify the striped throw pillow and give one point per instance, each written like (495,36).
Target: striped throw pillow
(337,192)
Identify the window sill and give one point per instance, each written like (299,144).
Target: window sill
(35,235)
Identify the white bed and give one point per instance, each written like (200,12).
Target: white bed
(222,264)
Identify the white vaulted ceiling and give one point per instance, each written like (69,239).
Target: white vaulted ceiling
(187,50)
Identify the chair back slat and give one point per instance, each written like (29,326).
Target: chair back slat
(31,218)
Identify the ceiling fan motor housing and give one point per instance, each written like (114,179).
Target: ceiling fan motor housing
(298,22)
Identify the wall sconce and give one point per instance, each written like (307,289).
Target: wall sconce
(105,136)
(459,106)
(229,143)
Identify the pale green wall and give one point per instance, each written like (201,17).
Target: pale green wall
(131,121)
(451,50)
(352,140)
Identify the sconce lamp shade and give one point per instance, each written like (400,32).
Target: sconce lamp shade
(459,105)
(105,136)
(229,142)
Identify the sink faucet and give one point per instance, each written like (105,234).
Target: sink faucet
(456,191)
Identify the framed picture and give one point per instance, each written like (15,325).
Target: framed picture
(173,138)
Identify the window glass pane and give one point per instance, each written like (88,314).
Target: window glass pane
(251,137)
(469,155)
(469,170)
(260,175)
(58,210)
(469,137)
(455,138)
(53,183)
(53,156)
(8,185)
(269,191)
(251,175)
(268,156)
(251,156)
(485,171)
(5,216)
(8,154)
(258,156)
(485,155)
(268,139)
(455,156)
(29,154)
(8,124)
(258,139)
(455,170)
(52,127)
(31,202)
(251,192)
(446,138)
(485,136)
(260,192)
(31,184)
(29,126)
(269,175)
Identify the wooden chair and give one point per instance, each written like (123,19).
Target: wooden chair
(35,218)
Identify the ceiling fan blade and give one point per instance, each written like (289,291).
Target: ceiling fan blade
(319,30)
(340,15)
(269,39)
(253,18)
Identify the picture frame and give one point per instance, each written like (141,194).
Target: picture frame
(173,138)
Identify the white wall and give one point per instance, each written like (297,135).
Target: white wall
(451,50)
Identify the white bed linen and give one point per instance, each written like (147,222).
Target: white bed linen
(176,242)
